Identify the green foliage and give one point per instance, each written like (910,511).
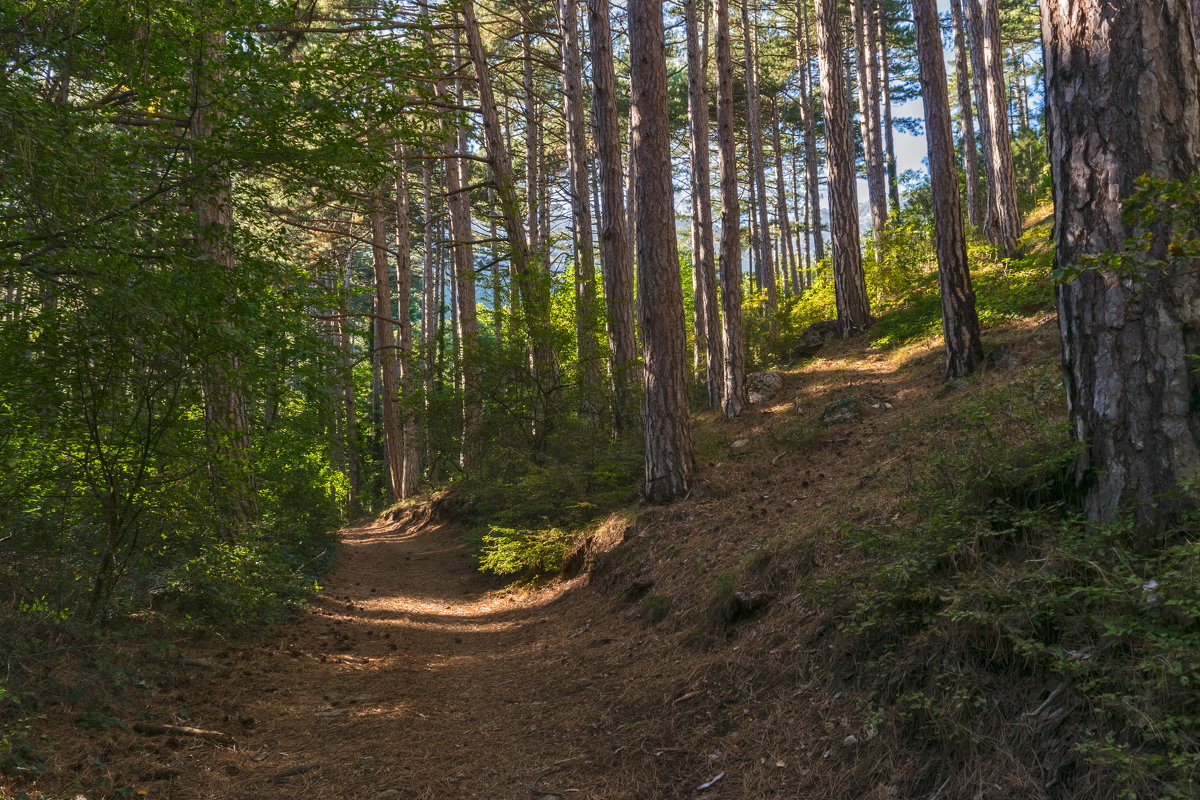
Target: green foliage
(529,554)
(991,592)
(654,608)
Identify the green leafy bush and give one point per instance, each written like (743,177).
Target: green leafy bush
(528,554)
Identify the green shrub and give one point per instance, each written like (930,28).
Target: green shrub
(525,553)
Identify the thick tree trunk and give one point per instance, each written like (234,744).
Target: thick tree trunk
(708,322)
(410,451)
(733,392)
(667,436)
(854,310)
(586,312)
(385,352)
(226,421)
(808,114)
(1004,221)
(757,166)
(1122,101)
(960,323)
(616,255)
(975,199)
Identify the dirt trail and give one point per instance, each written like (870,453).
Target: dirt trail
(408,679)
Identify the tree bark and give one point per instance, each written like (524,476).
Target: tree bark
(410,451)
(757,166)
(385,352)
(1123,100)
(889,139)
(667,435)
(733,392)
(808,114)
(533,285)
(787,258)
(708,322)
(960,323)
(1004,221)
(226,421)
(975,198)
(868,73)
(854,310)
(616,255)
(586,316)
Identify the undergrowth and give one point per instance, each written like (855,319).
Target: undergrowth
(1002,629)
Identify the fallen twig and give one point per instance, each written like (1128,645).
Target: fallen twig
(155,729)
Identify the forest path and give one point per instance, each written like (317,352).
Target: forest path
(407,679)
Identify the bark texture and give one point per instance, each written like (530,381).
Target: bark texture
(1003,221)
(766,264)
(808,115)
(616,255)
(733,393)
(667,435)
(410,452)
(1123,100)
(960,323)
(704,269)
(854,310)
(385,352)
(975,199)
(586,312)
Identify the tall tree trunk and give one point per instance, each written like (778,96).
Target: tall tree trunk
(616,255)
(349,395)
(975,199)
(960,323)
(586,316)
(885,79)
(808,112)
(385,352)
(466,319)
(1122,101)
(787,258)
(668,438)
(1004,222)
(854,310)
(868,73)
(226,422)
(708,322)
(410,452)
(429,308)
(534,288)
(733,391)
(757,165)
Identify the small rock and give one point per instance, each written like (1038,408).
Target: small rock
(762,386)
(386,794)
(850,741)
(842,411)
(739,443)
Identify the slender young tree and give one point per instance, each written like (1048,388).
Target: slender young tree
(960,323)
(616,255)
(733,393)
(975,199)
(668,437)
(850,289)
(385,351)
(808,114)
(754,137)
(872,130)
(1123,101)
(410,451)
(885,77)
(1004,221)
(586,310)
(708,321)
